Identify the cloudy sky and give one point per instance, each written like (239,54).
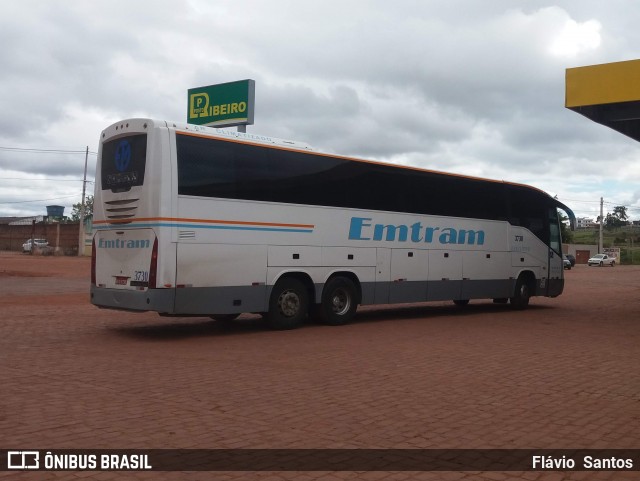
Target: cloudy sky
(474,87)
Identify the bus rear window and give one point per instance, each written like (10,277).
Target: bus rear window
(123,162)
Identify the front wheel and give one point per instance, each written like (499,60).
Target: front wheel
(289,304)
(339,301)
(520,299)
(613,263)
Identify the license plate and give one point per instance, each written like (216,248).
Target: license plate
(121,281)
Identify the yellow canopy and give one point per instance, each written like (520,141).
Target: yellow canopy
(608,94)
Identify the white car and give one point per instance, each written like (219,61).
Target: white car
(36,243)
(602,260)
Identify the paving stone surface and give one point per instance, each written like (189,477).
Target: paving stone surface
(563,374)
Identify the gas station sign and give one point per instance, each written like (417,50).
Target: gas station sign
(222,105)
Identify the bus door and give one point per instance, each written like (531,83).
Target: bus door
(556,266)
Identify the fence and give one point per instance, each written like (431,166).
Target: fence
(64,236)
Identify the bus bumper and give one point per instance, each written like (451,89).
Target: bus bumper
(158,300)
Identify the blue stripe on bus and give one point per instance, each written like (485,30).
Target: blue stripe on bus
(199,226)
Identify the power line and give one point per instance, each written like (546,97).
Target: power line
(56,180)
(615,204)
(45,151)
(39,200)
(564,199)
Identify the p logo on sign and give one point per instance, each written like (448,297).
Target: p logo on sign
(198,105)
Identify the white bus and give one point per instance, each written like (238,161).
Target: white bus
(197,221)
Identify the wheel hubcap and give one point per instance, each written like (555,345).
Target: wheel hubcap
(289,303)
(340,302)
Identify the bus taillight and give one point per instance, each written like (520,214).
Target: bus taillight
(93,262)
(153,268)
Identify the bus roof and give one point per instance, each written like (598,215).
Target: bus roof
(241,136)
(274,142)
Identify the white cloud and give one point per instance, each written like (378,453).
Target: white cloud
(467,86)
(575,38)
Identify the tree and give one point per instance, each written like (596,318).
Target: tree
(88,209)
(565,232)
(620,211)
(617,219)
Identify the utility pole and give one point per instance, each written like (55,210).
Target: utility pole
(600,246)
(84,190)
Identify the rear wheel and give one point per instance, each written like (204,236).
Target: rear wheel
(289,304)
(339,301)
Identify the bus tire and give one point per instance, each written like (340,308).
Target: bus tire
(288,305)
(522,294)
(461,302)
(339,301)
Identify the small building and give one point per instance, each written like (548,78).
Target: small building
(582,252)
(584,222)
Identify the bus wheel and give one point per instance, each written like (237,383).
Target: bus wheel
(461,302)
(520,299)
(288,305)
(339,301)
